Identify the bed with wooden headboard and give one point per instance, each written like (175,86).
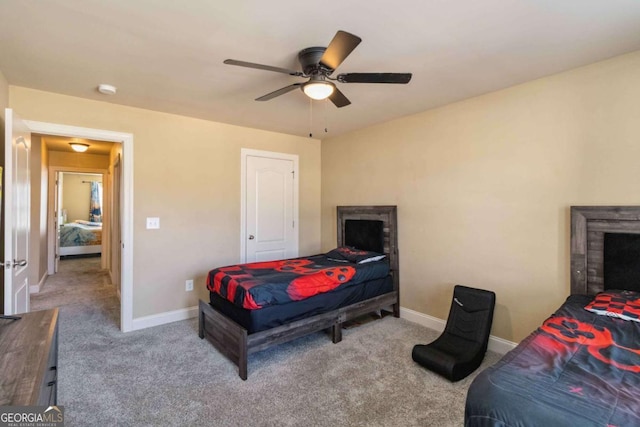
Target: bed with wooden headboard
(589,227)
(237,331)
(582,366)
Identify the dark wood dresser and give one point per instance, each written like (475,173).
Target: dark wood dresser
(29,359)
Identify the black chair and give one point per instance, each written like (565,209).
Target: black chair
(461,347)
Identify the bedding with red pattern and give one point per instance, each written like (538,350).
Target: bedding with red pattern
(260,284)
(578,369)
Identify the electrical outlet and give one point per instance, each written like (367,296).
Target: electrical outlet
(188,285)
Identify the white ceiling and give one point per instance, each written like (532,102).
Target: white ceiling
(167,55)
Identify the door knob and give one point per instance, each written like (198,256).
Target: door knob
(251,237)
(20,263)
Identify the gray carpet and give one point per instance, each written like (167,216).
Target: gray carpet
(167,376)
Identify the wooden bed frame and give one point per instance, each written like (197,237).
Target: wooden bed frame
(588,226)
(236,343)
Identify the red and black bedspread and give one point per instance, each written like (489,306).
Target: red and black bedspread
(261,284)
(577,369)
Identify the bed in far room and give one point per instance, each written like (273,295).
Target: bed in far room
(80,238)
(257,305)
(582,366)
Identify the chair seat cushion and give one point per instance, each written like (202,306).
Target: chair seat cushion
(434,359)
(460,349)
(445,358)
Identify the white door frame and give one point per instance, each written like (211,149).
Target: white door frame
(244,153)
(126,139)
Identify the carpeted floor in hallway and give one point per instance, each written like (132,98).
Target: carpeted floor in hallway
(79,281)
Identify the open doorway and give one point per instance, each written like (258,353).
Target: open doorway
(80,206)
(124,240)
(36,239)
(80,191)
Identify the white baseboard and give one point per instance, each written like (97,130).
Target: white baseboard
(496,344)
(163,318)
(34,289)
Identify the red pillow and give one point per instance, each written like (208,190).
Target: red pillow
(621,304)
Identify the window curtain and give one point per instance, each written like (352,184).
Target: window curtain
(95,207)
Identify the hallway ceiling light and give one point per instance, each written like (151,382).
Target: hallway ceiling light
(78,147)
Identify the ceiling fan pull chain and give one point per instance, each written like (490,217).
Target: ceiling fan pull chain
(310,118)
(325,116)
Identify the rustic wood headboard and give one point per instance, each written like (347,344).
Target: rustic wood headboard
(588,226)
(389,216)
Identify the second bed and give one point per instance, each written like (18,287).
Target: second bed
(255,306)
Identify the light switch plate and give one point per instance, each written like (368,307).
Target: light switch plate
(153,223)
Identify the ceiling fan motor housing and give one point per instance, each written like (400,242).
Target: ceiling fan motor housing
(310,61)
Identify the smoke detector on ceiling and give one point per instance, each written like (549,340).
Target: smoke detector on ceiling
(106,89)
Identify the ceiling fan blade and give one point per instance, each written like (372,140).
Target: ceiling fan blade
(340,47)
(338,98)
(398,78)
(279,92)
(262,67)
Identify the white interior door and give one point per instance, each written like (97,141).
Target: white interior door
(271,229)
(16,214)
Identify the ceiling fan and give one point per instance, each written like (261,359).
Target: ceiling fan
(318,64)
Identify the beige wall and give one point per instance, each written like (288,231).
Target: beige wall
(483,186)
(76,195)
(38,210)
(187,172)
(78,160)
(44,199)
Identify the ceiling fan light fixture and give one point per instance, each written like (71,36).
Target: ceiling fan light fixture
(78,147)
(318,90)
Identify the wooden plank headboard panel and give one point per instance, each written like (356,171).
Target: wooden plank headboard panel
(588,226)
(389,216)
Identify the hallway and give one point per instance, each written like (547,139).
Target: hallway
(79,285)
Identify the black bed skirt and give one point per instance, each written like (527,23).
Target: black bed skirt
(272,316)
